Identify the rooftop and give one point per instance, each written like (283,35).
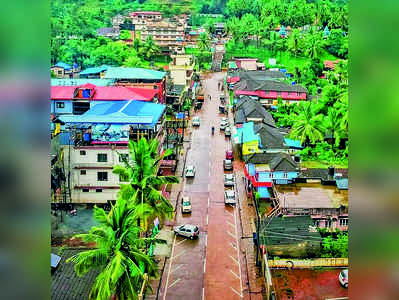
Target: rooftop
(94,70)
(311,195)
(61,64)
(65,284)
(133,73)
(81,81)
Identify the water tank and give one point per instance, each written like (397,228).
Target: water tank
(331,171)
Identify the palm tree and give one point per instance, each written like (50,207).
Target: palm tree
(141,173)
(149,49)
(308,126)
(119,254)
(294,42)
(313,45)
(333,125)
(204,42)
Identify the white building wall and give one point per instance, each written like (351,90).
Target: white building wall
(88,163)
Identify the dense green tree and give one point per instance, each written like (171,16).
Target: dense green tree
(149,49)
(119,254)
(335,247)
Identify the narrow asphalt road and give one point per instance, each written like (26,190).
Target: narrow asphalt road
(210,267)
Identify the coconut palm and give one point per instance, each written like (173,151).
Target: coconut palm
(308,126)
(204,42)
(333,124)
(313,45)
(144,183)
(294,42)
(119,254)
(149,48)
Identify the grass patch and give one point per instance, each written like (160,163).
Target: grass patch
(264,207)
(314,164)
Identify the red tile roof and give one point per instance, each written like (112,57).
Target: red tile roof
(330,64)
(104,93)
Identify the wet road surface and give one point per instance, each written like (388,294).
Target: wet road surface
(211,266)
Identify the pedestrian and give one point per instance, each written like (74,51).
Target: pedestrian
(218,85)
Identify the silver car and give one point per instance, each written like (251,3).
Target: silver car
(187,230)
(190,171)
(227,164)
(227,131)
(228,180)
(186,204)
(343,278)
(229,197)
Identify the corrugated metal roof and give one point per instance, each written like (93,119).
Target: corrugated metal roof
(81,81)
(94,70)
(63,65)
(121,112)
(263,192)
(292,143)
(133,73)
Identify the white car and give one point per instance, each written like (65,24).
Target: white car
(196,121)
(228,179)
(227,131)
(229,197)
(223,124)
(190,171)
(186,204)
(187,230)
(343,278)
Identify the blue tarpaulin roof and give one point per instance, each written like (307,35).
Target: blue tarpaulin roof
(249,133)
(263,192)
(63,65)
(293,143)
(120,112)
(180,116)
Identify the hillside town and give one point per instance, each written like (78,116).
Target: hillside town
(200,153)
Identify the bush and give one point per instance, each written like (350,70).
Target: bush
(335,247)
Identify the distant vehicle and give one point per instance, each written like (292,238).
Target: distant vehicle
(187,230)
(227,164)
(190,171)
(343,278)
(223,124)
(186,204)
(196,121)
(229,155)
(228,179)
(229,197)
(227,131)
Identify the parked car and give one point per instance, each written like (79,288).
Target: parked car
(190,171)
(343,278)
(186,204)
(196,121)
(229,197)
(229,154)
(187,230)
(223,124)
(228,179)
(227,131)
(227,164)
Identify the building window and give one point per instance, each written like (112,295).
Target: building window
(85,190)
(328,223)
(123,156)
(59,72)
(82,172)
(102,176)
(60,105)
(285,175)
(343,222)
(99,190)
(123,178)
(316,223)
(102,157)
(82,152)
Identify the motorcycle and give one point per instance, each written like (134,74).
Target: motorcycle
(213,130)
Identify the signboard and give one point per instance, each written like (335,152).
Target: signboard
(272,61)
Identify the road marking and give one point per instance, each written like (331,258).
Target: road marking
(236,292)
(232,235)
(181,242)
(235,274)
(205,265)
(177,268)
(209,187)
(238,252)
(180,254)
(174,282)
(206,241)
(207,219)
(170,265)
(203,293)
(208,201)
(232,225)
(234,259)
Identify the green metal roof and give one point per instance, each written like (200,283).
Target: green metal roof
(133,73)
(80,81)
(94,70)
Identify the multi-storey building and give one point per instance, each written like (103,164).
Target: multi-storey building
(181,69)
(169,36)
(142,18)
